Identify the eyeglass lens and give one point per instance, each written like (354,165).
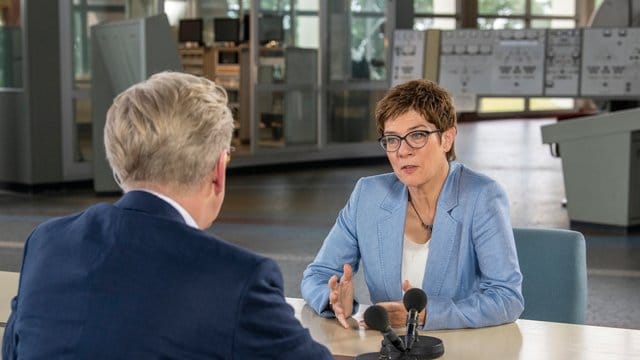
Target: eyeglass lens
(415,139)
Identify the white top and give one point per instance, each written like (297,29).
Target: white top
(414,261)
(185,215)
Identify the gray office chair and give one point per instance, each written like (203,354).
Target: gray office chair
(554,269)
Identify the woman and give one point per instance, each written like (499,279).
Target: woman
(432,223)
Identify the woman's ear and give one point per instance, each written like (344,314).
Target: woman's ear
(448,137)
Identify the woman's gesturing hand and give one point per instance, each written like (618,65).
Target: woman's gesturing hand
(341,295)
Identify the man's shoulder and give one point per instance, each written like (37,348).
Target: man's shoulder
(99,209)
(113,221)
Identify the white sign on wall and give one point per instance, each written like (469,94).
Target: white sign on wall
(408,56)
(611,62)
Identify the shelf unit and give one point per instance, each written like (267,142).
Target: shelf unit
(285,102)
(226,73)
(197,61)
(221,65)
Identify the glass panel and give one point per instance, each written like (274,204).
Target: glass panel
(210,9)
(423,6)
(101,2)
(553,7)
(368,5)
(286,118)
(10,57)
(85,14)
(424,23)
(551,104)
(368,48)
(502,8)
(10,13)
(275,5)
(500,23)
(300,118)
(307,5)
(10,44)
(351,115)
(440,7)
(83,20)
(553,24)
(270,107)
(501,104)
(83,150)
(444,7)
(271,66)
(175,10)
(307,32)
(597,4)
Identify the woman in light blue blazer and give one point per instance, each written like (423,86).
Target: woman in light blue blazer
(433,223)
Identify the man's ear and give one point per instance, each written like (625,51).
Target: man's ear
(220,173)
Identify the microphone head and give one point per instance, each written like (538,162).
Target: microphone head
(376,318)
(415,299)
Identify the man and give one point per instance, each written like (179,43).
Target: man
(139,279)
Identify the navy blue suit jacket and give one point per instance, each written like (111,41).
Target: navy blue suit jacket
(132,281)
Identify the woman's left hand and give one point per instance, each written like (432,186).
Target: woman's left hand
(395,309)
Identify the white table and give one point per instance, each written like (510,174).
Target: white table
(524,339)
(8,289)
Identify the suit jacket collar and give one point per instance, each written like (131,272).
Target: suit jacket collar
(446,232)
(397,196)
(150,204)
(391,228)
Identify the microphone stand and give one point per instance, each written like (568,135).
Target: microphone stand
(385,350)
(415,338)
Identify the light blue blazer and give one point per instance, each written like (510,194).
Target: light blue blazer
(472,277)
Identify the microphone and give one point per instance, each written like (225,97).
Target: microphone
(414,301)
(376,318)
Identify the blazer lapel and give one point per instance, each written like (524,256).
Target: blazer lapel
(446,232)
(390,239)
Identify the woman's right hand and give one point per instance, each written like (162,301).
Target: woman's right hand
(341,295)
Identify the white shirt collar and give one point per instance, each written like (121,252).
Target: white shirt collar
(185,215)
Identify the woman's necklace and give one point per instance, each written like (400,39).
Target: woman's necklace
(427,227)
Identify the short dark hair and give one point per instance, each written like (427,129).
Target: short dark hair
(422,96)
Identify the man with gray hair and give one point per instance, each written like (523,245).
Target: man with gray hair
(140,279)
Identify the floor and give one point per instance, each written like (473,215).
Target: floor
(285,213)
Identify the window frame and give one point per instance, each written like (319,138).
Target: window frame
(527,18)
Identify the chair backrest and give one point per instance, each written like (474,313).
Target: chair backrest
(554,269)
(8,289)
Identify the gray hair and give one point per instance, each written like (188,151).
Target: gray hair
(169,130)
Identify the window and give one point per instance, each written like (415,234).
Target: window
(521,14)
(84,15)
(87,13)
(434,14)
(306,24)
(10,45)
(367,39)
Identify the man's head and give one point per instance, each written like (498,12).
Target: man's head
(168,130)
(171,132)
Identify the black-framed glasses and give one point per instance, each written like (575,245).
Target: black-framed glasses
(416,139)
